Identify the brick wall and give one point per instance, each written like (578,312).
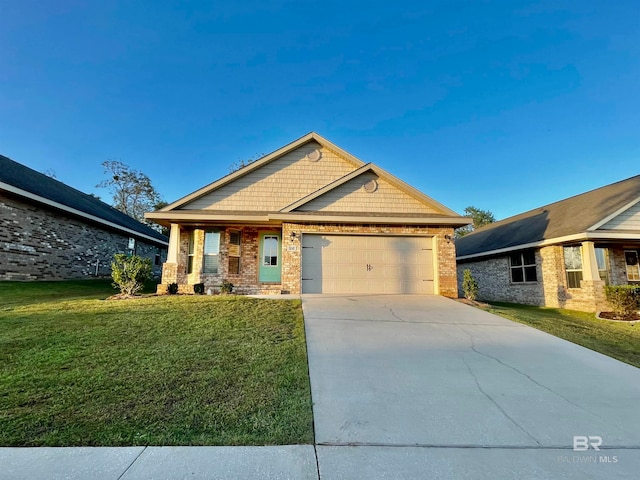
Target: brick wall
(37,243)
(551,290)
(247,280)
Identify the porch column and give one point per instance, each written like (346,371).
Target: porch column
(174,244)
(589,262)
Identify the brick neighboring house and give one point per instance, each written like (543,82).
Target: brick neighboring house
(311,218)
(562,254)
(50,231)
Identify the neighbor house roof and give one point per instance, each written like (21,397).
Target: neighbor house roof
(573,219)
(27,183)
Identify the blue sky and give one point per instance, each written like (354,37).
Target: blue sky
(504,105)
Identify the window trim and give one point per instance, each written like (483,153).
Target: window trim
(191,251)
(573,270)
(277,252)
(627,265)
(206,255)
(523,267)
(239,251)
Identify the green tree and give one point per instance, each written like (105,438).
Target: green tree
(480,218)
(133,193)
(469,285)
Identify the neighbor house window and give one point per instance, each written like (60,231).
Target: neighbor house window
(602,259)
(191,252)
(573,266)
(523,267)
(234,251)
(211,251)
(633,269)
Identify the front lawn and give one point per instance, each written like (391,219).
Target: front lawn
(170,370)
(616,340)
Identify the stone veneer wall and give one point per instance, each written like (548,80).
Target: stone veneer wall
(38,243)
(494,280)
(247,280)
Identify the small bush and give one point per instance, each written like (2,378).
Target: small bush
(198,288)
(172,288)
(130,272)
(469,285)
(226,287)
(624,299)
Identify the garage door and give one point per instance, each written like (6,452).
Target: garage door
(366,264)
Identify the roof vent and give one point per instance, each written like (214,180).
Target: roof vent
(370,186)
(314,155)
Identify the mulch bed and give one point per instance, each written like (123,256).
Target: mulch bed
(634,317)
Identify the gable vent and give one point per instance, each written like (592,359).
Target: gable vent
(314,155)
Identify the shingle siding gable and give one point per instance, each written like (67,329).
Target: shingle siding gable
(352,197)
(278,183)
(628,220)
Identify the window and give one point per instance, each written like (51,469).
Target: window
(633,269)
(523,267)
(234,251)
(270,250)
(602,259)
(211,251)
(191,252)
(573,266)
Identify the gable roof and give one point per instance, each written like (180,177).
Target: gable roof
(309,137)
(572,219)
(234,197)
(25,182)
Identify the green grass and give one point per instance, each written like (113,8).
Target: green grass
(171,370)
(616,340)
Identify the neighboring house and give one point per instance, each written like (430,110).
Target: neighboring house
(311,218)
(50,231)
(562,254)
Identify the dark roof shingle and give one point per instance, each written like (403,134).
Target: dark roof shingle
(566,217)
(27,179)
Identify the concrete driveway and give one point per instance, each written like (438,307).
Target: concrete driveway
(426,387)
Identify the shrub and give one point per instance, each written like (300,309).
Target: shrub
(469,285)
(624,299)
(226,287)
(198,288)
(130,272)
(172,288)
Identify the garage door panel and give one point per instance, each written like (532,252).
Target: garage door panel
(366,264)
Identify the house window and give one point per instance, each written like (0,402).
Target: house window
(211,251)
(633,269)
(235,238)
(270,250)
(523,267)
(191,252)
(573,266)
(602,259)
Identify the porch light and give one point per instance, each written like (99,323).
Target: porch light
(292,236)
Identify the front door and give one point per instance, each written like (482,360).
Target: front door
(270,258)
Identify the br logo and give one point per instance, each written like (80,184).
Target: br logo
(582,443)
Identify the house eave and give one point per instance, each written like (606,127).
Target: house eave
(615,236)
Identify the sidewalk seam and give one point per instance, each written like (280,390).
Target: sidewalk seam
(134,461)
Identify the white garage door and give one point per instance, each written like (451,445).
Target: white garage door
(366,264)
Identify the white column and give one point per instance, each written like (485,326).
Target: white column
(174,244)
(589,262)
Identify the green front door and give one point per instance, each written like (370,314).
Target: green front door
(270,257)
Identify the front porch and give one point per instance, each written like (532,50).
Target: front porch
(248,257)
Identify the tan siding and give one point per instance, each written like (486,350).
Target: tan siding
(351,197)
(277,184)
(629,220)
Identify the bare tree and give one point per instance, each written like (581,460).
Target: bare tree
(133,193)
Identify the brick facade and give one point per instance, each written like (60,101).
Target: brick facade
(247,280)
(38,243)
(551,289)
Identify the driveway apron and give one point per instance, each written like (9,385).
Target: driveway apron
(445,380)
